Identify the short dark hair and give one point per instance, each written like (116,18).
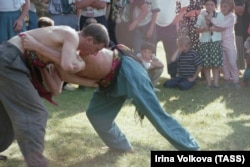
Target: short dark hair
(98,31)
(89,21)
(45,22)
(215,1)
(148,45)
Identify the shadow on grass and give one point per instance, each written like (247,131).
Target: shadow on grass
(197,98)
(13,162)
(85,150)
(236,140)
(70,103)
(233,104)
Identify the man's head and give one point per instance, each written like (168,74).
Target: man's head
(93,38)
(184,43)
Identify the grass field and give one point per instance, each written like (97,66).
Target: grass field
(219,119)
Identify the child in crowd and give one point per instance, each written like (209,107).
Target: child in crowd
(189,66)
(230,69)
(210,43)
(246,75)
(151,63)
(45,22)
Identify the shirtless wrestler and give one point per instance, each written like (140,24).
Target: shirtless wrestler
(120,77)
(23,115)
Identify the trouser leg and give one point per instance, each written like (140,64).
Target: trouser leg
(28,117)
(155,75)
(101,112)
(138,87)
(166,125)
(24,108)
(6,129)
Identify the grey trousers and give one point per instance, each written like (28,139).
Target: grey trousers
(23,115)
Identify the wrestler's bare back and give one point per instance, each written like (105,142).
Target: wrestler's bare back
(97,66)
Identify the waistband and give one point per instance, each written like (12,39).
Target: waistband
(107,80)
(16,49)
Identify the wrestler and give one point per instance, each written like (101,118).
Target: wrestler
(23,115)
(121,76)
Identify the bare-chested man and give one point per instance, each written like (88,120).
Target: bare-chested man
(120,77)
(23,115)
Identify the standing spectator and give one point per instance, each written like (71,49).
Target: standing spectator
(186,26)
(246,75)
(246,19)
(150,62)
(93,8)
(143,22)
(210,42)
(32,16)
(63,12)
(239,32)
(166,28)
(189,66)
(119,18)
(230,69)
(12,15)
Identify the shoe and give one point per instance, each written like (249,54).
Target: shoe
(69,87)
(3,158)
(157,90)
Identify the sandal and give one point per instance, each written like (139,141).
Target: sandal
(3,158)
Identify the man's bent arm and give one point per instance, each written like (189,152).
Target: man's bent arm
(75,79)
(67,59)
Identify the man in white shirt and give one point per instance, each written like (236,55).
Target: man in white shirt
(12,15)
(166,28)
(93,9)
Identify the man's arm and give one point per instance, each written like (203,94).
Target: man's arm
(77,79)
(68,58)
(152,24)
(84,3)
(180,15)
(99,4)
(52,80)
(18,24)
(198,70)
(144,11)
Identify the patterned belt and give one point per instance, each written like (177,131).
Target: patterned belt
(107,80)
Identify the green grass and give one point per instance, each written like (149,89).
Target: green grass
(219,119)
